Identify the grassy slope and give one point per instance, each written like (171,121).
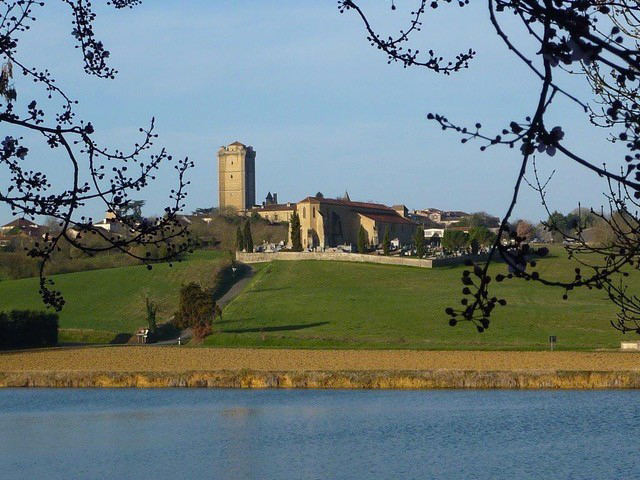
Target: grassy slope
(351,305)
(111,300)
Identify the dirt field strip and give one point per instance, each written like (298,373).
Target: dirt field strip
(168,359)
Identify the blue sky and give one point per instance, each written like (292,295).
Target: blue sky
(299,82)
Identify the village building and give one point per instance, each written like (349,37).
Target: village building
(325,222)
(330,222)
(24,226)
(442,217)
(110,223)
(21,228)
(274,212)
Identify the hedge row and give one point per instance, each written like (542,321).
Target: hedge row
(28,328)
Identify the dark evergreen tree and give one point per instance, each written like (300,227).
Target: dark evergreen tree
(418,240)
(362,240)
(239,239)
(386,242)
(296,236)
(248,240)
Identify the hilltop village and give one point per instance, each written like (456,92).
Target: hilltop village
(329,223)
(326,224)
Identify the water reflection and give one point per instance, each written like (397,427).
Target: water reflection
(233,434)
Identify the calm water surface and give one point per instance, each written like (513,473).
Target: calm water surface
(316,434)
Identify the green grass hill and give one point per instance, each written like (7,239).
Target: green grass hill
(314,304)
(353,305)
(103,303)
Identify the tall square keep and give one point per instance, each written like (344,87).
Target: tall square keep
(237,176)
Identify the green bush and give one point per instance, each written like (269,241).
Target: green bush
(362,240)
(195,307)
(27,329)
(296,234)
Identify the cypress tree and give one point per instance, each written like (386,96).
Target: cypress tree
(419,241)
(248,241)
(362,240)
(239,240)
(296,236)
(386,242)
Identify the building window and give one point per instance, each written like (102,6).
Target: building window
(231,176)
(304,212)
(314,212)
(275,217)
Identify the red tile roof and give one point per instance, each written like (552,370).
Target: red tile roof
(387,218)
(348,203)
(21,223)
(273,207)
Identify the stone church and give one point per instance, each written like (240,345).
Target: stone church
(325,222)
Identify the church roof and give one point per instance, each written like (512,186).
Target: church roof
(274,207)
(347,203)
(387,218)
(237,144)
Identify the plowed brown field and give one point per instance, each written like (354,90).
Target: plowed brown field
(181,359)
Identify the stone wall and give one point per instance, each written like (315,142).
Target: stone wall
(356,257)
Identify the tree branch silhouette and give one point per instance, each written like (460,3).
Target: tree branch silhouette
(598,39)
(97,173)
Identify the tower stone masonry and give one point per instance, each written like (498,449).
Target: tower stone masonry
(237,176)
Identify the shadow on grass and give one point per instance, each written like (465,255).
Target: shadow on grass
(121,338)
(281,328)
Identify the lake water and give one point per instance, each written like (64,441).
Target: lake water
(318,434)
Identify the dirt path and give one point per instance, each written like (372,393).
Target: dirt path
(237,287)
(181,359)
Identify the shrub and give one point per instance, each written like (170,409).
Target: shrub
(362,240)
(17,265)
(27,328)
(386,242)
(248,239)
(418,239)
(195,307)
(454,240)
(296,235)
(151,308)
(239,239)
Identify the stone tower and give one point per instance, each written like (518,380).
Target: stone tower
(237,176)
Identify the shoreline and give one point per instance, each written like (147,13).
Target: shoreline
(408,380)
(168,366)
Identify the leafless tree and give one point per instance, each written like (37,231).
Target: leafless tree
(98,174)
(598,39)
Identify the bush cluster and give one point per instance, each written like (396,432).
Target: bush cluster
(28,328)
(196,310)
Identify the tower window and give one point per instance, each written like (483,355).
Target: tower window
(314,212)
(231,176)
(304,213)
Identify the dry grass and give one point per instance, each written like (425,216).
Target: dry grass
(131,359)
